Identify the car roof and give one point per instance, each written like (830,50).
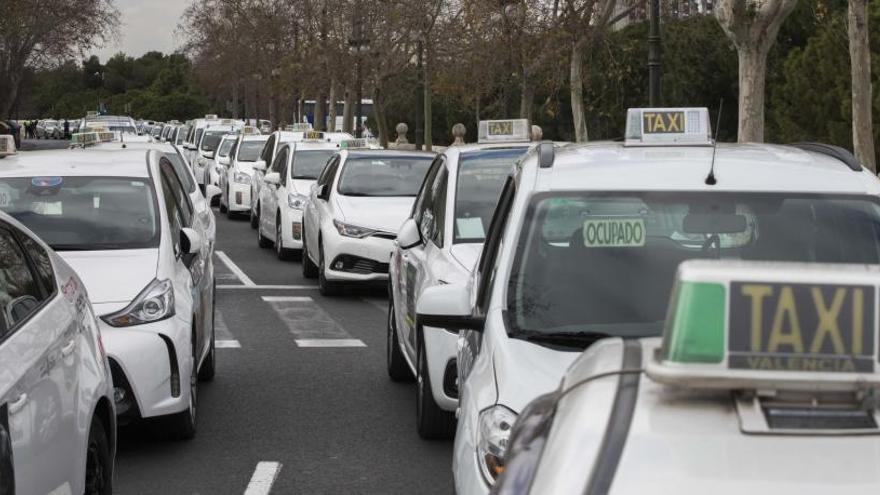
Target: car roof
(738,167)
(77,162)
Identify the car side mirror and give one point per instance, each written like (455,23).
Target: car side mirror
(409,235)
(210,191)
(190,241)
(322,192)
(272,178)
(260,165)
(449,307)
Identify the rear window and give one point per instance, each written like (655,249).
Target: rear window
(84,213)
(605,263)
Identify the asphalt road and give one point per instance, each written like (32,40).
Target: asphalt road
(329,415)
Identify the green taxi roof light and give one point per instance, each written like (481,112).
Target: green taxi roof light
(695,326)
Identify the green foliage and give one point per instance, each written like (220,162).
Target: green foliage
(155,86)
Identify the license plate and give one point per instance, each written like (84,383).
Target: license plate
(801,327)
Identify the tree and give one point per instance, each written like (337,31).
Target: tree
(38,33)
(860,70)
(752,26)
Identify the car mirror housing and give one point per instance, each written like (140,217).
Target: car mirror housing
(409,235)
(272,178)
(190,241)
(449,307)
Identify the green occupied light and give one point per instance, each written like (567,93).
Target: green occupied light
(695,328)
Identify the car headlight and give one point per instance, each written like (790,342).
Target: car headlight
(493,435)
(348,230)
(526,443)
(154,303)
(297,201)
(241,178)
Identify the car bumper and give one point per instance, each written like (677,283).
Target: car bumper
(441,349)
(155,361)
(239,197)
(364,260)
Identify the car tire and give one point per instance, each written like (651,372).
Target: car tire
(283,253)
(398,370)
(183,424)
(209,365)
(99,461)
(309,269)
(262,240)
(325,287)
(255,217)
(432,422)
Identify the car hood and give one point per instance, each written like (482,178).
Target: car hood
(467,254)
(113,276)
(303,186)
(245,167)
(525,370)
(381,213)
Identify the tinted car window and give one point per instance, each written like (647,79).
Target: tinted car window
(19,293)
(41,262)
(249,151)
(481,176)
(383,175)
(308,164)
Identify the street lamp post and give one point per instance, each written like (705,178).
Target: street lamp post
(359,45)
(654,53)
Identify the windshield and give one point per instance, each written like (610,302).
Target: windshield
(481,176)
(249,151)
(383,175)
(606,262)
(212,140)
(225,147)
(84,213)
(181,135)
(309,164)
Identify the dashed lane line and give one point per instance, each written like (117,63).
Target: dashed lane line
(223,338)
(263,478)
(268,287)
(310,325)
(235,269)
(330,343)
(287,299)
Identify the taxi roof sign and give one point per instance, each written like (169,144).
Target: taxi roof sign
(738,325)
(298,127)
(668,127)
(504,131)
(211,116)
(349,144)
(7,146)
(250,130)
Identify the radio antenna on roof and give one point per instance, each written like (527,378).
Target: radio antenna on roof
(710,179)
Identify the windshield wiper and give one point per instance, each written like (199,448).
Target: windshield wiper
(569,339)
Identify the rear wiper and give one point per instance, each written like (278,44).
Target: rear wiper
(570,339)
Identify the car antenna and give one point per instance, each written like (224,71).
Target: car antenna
(710,179)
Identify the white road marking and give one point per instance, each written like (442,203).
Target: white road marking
(235,269)
(227,344)
(287,298)
(264,476)
(223,338)
(330,343)
(269,287)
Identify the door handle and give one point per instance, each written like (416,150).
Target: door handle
(18,404)
(68,348)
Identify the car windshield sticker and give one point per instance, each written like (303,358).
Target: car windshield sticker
(45,181)
(470,227)
(614,232)
(801,327)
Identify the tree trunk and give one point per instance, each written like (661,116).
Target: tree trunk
(348,111)
(752,74)
(429,140)
(526,97)
(576,83)
(319,112)
(379,116)
(332,122)
(860,67)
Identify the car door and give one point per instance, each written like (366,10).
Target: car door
(38,360)
(267,156)
(193,269)
(316,205)
(268,196)
(414,261)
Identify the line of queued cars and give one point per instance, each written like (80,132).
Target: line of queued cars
(106,303)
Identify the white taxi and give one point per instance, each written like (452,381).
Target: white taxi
(57,420)
(221,160)
(439,244)
(291,134)
(206,152)
(238,177)
(289,181)
(354,212)
(763,369)
(124,221)
(582,254)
